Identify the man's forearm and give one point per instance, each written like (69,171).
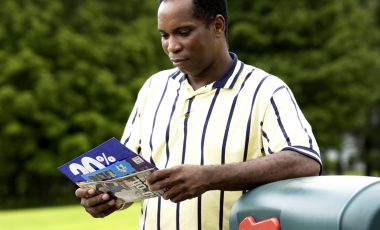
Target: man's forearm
(183,182)
(250,174)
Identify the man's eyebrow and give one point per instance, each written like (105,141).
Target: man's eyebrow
(183,27)
(176,29)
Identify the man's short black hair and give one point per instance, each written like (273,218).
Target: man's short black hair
(207,10)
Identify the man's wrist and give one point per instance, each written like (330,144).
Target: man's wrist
(212,177)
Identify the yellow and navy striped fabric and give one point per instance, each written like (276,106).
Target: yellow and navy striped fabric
(246,114)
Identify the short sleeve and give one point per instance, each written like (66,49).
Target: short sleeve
(131,135)
(284,126)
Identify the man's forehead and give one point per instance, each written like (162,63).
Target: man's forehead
(179,1)
(179,4)
(172,10)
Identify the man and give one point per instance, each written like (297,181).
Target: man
(214,126)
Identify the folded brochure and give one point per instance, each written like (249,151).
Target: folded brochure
(114,169)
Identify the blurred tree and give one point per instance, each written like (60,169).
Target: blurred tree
(368,135)
(69,73)
(327,51)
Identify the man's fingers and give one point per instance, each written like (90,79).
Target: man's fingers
(95,200)
(162,184)
(159,175)
(84,192)
(102,210)
(95,203)
(172,192)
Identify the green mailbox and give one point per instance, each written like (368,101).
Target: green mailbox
(313,203)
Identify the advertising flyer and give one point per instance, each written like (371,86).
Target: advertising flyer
(114,169)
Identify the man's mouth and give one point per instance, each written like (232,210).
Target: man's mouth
(177,61)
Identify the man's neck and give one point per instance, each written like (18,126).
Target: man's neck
(212,73)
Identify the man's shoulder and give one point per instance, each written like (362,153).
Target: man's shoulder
(263,76)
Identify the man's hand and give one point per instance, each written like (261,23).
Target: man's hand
(188,181)
(181,182)
(99,205)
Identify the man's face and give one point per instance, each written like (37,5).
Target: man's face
(188,42)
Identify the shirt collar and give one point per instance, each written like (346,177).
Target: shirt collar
(222,82)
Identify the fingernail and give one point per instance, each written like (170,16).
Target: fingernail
(111,202)
(91,192)
(105,196)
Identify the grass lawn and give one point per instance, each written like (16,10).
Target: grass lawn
(67,218)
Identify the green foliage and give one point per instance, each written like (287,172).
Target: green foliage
(69,75)
(327,51)
(70,71)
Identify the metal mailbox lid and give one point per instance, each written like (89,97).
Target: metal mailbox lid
(314,203)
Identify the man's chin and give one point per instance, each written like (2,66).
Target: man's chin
(182,69)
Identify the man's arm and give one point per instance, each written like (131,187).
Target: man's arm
(188,181)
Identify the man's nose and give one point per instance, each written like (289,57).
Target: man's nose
(174,45)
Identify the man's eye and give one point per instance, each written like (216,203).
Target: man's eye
(164,36)
(184,33)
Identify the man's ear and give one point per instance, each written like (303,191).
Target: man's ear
(219,25)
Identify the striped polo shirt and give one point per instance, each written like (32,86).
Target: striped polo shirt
(244,115)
